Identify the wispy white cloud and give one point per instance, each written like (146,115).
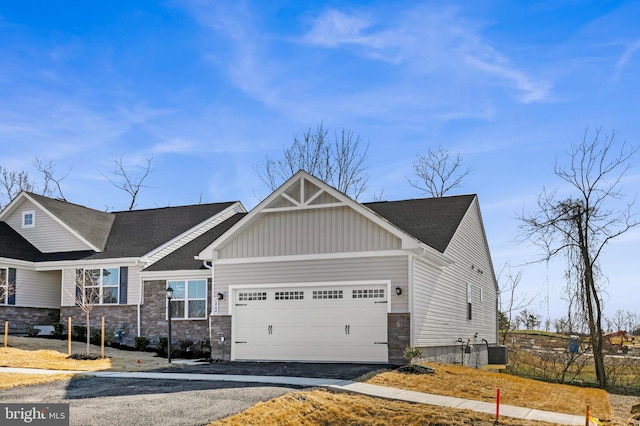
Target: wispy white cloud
(625,58)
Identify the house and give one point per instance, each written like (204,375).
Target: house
(309,274)
(51,251)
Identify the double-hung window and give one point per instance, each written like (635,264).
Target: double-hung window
(98,286)
(4,286)
(189,299)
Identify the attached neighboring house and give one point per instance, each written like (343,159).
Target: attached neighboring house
(46,245)
(307,275)
(310,274)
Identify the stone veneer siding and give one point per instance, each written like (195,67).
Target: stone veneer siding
(399,336)
(154,323)
(122,317)
(21,319)
(221,328)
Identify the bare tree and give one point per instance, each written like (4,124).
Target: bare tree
(581,224)
(7,288)
(49,177)
(530,319)
(87,295)
(510,301)
(339,162)
(126,181)
(12,182)
(438,172)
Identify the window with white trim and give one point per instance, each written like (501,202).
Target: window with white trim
(189,299)
(4,286)
(28,219)
(100,286)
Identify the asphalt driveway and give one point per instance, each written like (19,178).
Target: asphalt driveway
(117,401)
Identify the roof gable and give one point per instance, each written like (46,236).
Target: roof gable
(305,192)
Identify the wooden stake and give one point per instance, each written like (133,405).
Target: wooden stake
(102,340)
(6,334)
(586,421)
(69,335)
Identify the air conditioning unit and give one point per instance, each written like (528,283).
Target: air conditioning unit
(498,354)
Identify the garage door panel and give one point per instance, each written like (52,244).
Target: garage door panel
(328,323)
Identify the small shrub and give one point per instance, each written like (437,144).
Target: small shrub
(162,345)
(33,332)
(141,343)
(96,337)
(412,354)
(185,345)
(79,332)
(58,329)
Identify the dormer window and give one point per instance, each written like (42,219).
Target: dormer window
(29,219)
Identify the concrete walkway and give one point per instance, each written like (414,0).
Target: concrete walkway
(338,385)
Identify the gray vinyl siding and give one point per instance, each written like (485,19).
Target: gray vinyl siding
(440,307)
(309,231)
(38,289)
(394,268)
(47,235)
(69,277)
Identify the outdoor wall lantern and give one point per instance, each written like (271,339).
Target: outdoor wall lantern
(398,291)
(220,296)
(169,292)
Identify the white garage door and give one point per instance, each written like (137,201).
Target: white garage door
(323,323)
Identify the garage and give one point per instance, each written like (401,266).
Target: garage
(328,322)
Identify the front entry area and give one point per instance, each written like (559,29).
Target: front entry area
(333,323)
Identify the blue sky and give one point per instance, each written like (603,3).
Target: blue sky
(208,89)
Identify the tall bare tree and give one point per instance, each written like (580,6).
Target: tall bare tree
(12,182)
(51,182)
(127,181)
(581,224)
(438,172)
(339,161)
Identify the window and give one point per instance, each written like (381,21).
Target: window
(249,296)
(289,295)
(4,286)
(98,286)
(189,299)
(368,294)
(29,219)
(327,294)
(469,299)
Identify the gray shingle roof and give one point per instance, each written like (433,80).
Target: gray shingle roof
(433,221)
(14,246)
(183,258)
(93,225)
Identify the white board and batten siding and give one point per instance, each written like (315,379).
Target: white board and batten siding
(440,297)
(309,231)
(392,268)
(38,289)
(47,235)
(133,283)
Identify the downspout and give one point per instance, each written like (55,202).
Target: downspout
(139,306)
(214,299)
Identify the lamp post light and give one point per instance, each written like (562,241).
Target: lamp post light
(169,297)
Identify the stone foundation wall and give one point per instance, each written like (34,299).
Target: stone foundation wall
(399,336)
(21,319)
(154,322)
(221,337)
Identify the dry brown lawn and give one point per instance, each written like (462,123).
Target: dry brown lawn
(324,408)
(28,352)
(321,407)
(470,383)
